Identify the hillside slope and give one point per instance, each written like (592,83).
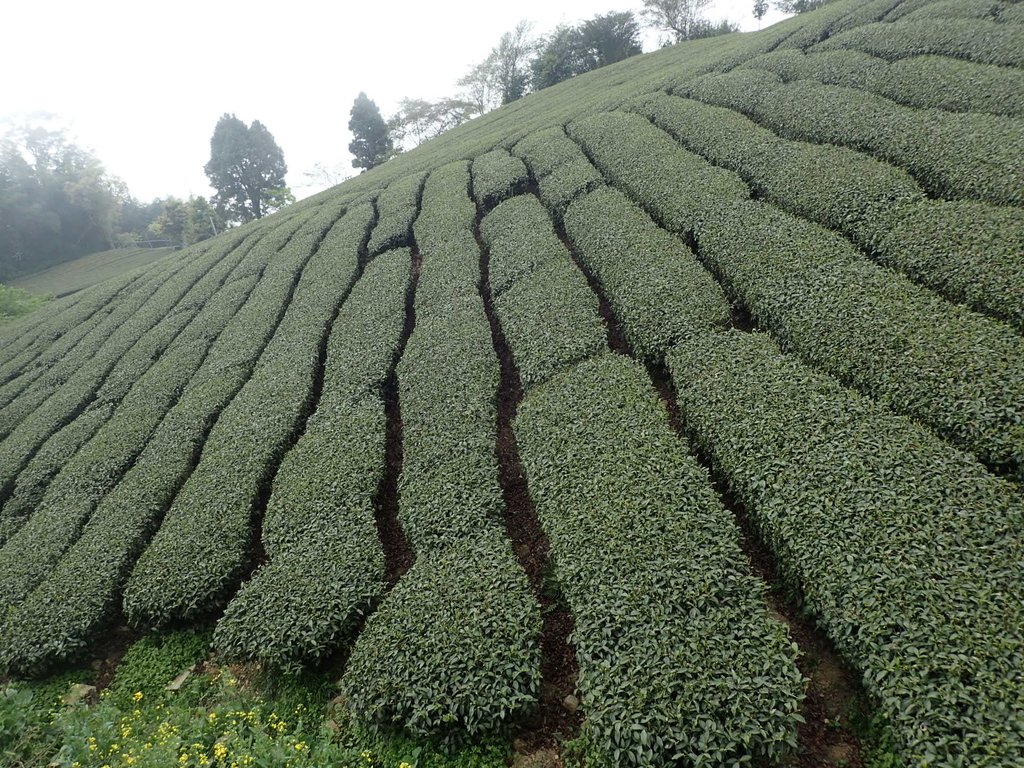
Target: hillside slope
(502,419)
(70,276)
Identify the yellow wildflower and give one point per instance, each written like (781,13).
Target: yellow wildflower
(137,696)
(220,751)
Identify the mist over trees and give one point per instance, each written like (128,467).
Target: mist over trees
(56,200)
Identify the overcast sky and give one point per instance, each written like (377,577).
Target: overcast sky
(142,84)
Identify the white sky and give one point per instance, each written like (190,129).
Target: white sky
(142,84)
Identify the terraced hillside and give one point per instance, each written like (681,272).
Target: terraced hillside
(504,418)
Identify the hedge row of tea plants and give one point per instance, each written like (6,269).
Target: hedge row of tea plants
(58,450)
(679,659)
(452,652)
(837,187)
(926,81)
(326,568)
(957,371)
(396,210)
(48,627)
(905,550)
(57,362)
(837,18)
(676,185)
(954,370)
(547,151)
(73,495)
(521,239)
(35,335)
(863,198)
(71,385)
(562,171)
(203,546)
(43,388)
(657,289)
(497,176)
(952,155)
(982,40)
(547,312)
(948,9)
(970,251)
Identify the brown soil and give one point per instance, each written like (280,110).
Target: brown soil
(398,553)
(537,740)
(108,653)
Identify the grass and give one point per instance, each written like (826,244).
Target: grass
(16,302)
(71,276)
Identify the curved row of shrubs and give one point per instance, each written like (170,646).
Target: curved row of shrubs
(326,564)
(561,170)
(94,467)
(877,205)
(547,311)
(958,372)
(926,81)
(37,336)
(178,326)
(120,513)
(656,287)
(111,331)
(679,660)
(952,155)
(204,544)
(452,653)
(904,549)
(396,210)
(45,402)
(982,40)
(497,176)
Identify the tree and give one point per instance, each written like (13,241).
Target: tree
(504,75)
(560,55)
(201,221)
(185,222)
(170,224)
(418,120)
(705,28)
(247,169)
(681,18)
(511,62)
(371,144)
(480,87)
(56,200)
(610,38)
(571,51)
(760,9)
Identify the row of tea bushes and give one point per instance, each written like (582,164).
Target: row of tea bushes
(906,550)
(203,546)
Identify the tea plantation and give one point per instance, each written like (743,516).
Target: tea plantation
(545,382)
